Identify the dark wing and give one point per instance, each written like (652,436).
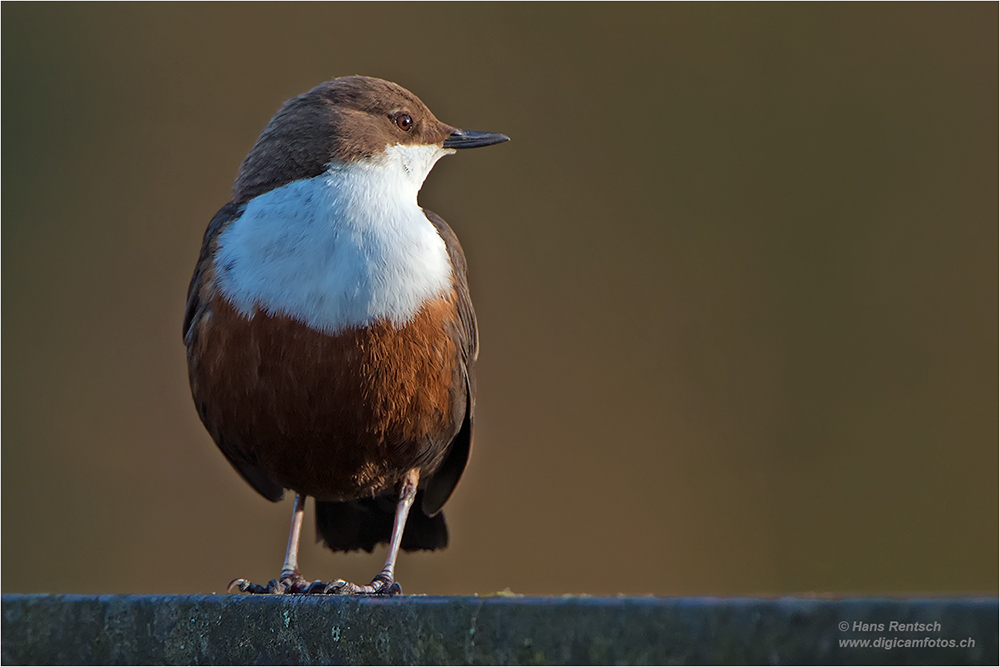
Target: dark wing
(198,307)
(195,307)
(444,481)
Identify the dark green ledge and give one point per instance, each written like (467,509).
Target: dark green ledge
(236,629)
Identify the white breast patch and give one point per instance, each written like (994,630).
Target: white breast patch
(340,250)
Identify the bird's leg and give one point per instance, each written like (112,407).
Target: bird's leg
(384,582)
(290,568)
(291,580)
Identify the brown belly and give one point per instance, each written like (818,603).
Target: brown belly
(336,417)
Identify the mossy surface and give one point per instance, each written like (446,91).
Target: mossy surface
(237,629)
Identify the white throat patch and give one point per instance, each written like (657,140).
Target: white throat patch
(340,250)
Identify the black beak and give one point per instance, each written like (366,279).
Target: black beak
(473,139)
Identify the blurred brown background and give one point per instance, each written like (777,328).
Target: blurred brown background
(736,277)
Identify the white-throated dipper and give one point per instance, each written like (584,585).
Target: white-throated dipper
(330,333)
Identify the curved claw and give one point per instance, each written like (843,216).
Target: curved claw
(245,586)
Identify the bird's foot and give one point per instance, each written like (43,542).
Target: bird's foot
(292,583)
(382,584)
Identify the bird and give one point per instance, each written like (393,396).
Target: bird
(330,333)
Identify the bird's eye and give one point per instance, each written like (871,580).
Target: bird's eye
(404,122)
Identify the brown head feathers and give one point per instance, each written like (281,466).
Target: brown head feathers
(347,119)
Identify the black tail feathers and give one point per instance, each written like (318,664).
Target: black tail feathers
(363,524)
